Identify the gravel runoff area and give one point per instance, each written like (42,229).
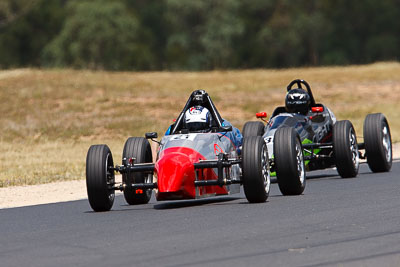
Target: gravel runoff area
(19,196)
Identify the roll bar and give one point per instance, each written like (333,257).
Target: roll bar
(200,98)
(299,82)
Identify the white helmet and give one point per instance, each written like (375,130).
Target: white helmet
(197,119)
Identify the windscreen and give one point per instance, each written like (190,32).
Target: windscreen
(281,120)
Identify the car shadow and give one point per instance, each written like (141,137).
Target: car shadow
(322,176)
(121,208)
(190,203)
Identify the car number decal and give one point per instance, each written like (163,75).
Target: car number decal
(190,137)
(269,139)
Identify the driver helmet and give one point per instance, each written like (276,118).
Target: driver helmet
(197,119)
(297,101)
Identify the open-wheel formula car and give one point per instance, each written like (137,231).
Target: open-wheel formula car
(200,156)
(304,135)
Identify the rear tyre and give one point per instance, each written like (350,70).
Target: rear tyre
(378,142)
(99,178)
(289,161)
(345,149)
(255,169)
(253,128)
(139,149)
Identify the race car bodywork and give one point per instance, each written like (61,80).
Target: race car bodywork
(188,166)
(324,141)
(313,128)
(180,152)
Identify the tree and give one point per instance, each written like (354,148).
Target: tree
(287,33)
(98,34)
(10,10)
(153,29)
(29,26)
(203,34)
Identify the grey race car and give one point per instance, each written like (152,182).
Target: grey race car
(304,136)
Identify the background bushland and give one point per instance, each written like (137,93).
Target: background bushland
(196,35)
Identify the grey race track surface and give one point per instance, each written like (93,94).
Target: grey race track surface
(345,222)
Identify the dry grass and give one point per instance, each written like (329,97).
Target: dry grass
(50,118)
(27,163)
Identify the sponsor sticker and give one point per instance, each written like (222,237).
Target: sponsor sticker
(217,149)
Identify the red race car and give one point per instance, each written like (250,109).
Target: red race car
(200,156)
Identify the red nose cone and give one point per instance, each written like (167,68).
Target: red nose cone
(175,173)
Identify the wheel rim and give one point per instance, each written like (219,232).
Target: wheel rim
(354,149)
(110,177)
(300,163)
(265,168)
(386,142)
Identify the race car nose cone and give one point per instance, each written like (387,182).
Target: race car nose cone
(175,174)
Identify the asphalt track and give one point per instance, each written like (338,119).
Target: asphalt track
(339,222)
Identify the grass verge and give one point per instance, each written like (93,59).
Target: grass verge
(51,117)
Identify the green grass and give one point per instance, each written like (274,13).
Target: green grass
(51,117)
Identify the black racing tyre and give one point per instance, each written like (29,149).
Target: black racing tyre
(139,149)
(378,142)
(289,161)
(99,178)
(345,149)
(255,169)
(253,128)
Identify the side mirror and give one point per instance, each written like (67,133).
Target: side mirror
(225,128)
(317,109)
(151,135)
(260,115)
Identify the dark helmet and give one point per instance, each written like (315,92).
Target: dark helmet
(198,97)
(297,101)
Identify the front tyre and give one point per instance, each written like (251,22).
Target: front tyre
(100,178)
(253,128)
(378,142)
(255,169)
(345,149)
(139,149)
(289,161)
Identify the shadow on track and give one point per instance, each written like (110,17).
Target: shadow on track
(195,202)
(323,176)
(314,176)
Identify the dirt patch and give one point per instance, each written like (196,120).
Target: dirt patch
(30,195)
(19,196)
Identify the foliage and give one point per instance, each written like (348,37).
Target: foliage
(12,9)
(26,29)
(197,35)
(203,34)
(97,35)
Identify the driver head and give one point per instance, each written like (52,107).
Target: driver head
(197,119)
(297,101)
